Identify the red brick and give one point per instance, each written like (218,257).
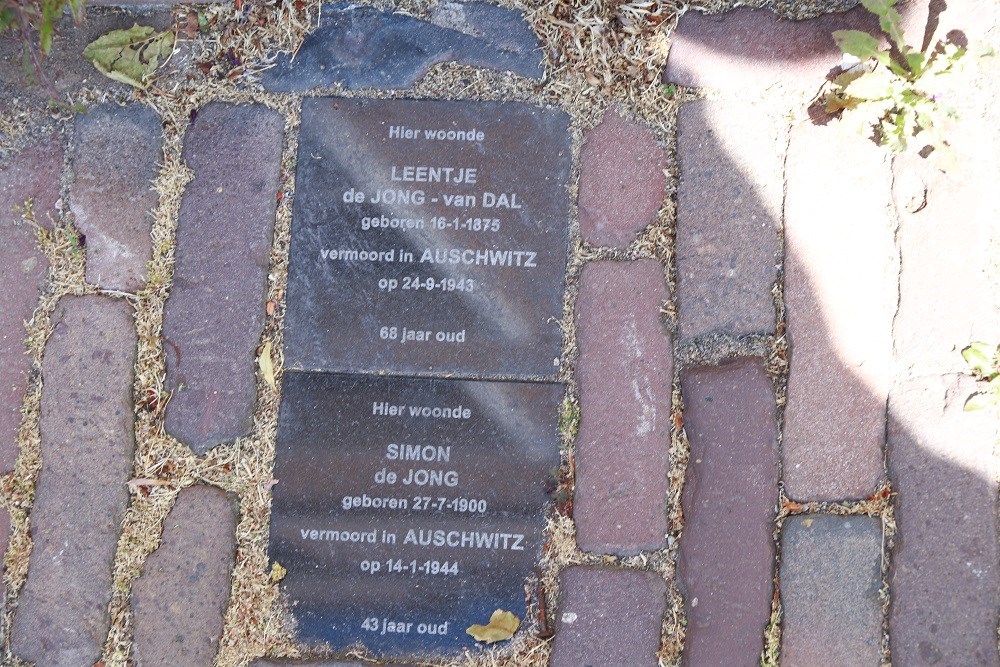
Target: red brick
(729,211)
(754,48)
(179,599)
(87,445)
(609,617)
(32,174)
(215,313)
(726,557)
(841,273)
(621,182)
(115,155)
(945,579)
(624,373)
(831,573)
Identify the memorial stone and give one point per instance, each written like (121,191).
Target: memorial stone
(428,238)
(428,255)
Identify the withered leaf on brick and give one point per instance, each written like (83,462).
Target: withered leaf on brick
(502,626)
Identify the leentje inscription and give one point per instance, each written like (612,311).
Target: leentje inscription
(429,238)
(406,509)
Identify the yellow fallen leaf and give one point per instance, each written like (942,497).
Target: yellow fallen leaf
(278,572)
(502,626)
(266,365)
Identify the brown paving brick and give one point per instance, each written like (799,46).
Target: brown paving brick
(729,210)
(841,273)
(621,182)
(87,444)
(215,313)
(32,174)
(831,573)
(179,599)
(945,579)
(754,48)
(608,618)
(115,153)
(624,371)
(726,556)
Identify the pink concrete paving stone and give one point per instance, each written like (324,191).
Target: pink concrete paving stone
(179,599)
(215,313)
(625,370)
(33,174)
(728,215)
(609,618)
(87,440)
(840,294)
(726,556)
(115,155)
(754,48)
(621,182)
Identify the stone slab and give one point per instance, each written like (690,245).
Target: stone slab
(471,286)
(87,434)
(609,617)
(621,181)
(945,577)
(726,558)
(841,291)
(115,155)
(179,599)
(33,174)
(831,573)
(213,319)
(427,522)
(624,371)
(362,47)
(754,48)
(731,188)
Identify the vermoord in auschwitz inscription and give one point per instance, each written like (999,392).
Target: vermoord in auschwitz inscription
(408,509)
(428,238)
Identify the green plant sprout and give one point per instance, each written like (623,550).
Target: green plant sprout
(33,23)
(894,94)
(984,363)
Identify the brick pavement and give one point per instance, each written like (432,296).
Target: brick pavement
(738,526)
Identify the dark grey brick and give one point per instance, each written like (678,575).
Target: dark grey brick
(831,572)
(362,47)
(87,445)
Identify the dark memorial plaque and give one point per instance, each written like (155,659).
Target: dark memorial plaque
(428,238)
(407,509)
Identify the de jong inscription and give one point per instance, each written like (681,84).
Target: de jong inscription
(428,238)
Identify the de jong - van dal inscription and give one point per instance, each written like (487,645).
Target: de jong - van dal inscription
(407,509)
(429,238)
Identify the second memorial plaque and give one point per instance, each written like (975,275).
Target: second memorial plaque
(428,238)
(408,509)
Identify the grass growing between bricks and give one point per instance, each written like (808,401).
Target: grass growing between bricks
(588,70)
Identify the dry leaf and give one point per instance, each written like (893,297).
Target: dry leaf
(130,56)
(278,572)
(266,365)
(502,626)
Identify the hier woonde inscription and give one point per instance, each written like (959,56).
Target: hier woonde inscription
(428,238)
(429,243)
